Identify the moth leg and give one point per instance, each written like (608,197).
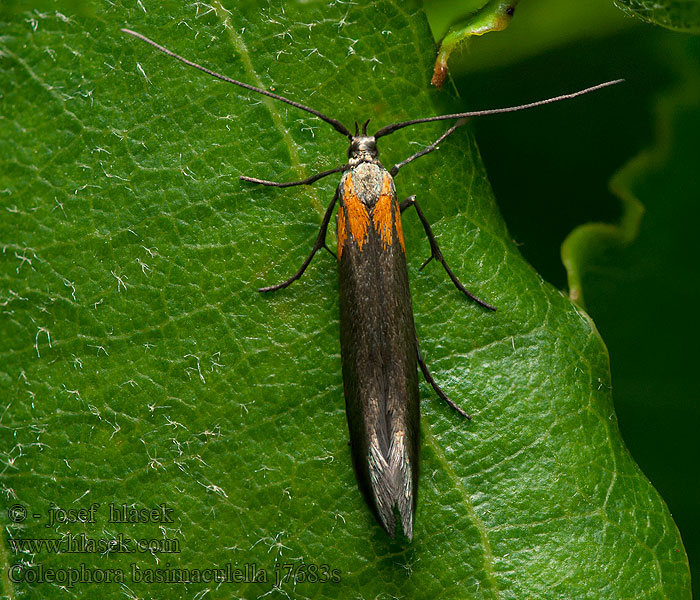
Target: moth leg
(320,243)
(436,254)
(307,181)
(436,387)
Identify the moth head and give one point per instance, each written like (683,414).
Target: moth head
(362,147)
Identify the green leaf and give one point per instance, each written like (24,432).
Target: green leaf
(683,15)
(141,367)
(471,19)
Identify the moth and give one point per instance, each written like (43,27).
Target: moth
(379,347)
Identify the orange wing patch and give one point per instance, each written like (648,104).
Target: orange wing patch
(358,218)
(399,228)
(382,213)
(342,233)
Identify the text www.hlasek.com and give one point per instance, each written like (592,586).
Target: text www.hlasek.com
(82,544)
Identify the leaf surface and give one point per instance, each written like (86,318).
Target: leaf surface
(680,16)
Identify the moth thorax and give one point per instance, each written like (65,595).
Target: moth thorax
(362,149)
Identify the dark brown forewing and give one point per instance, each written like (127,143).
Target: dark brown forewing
(378,349)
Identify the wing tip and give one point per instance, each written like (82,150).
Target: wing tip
(387,513)
(389,524)
(392,491)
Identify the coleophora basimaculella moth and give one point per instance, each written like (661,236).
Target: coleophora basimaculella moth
(379,347)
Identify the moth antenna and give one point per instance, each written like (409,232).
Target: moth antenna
(364,127)
(337,125)
(357,129)
(493,111)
